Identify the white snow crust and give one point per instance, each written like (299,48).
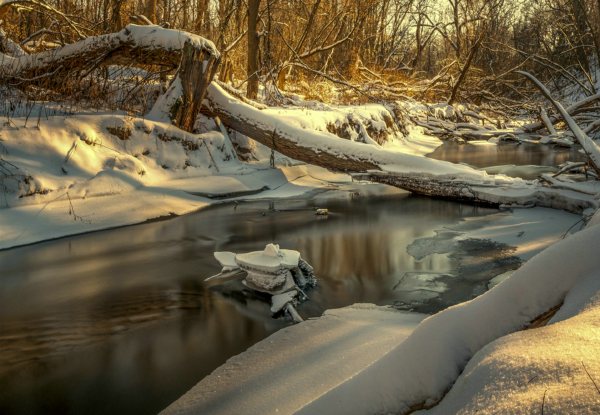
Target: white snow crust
(296,364)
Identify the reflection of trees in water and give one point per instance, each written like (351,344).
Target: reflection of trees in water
(374,254)
(484,156)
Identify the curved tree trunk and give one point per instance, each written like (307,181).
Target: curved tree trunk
(197,58)
(416,174)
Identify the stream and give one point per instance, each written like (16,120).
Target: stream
(120,321)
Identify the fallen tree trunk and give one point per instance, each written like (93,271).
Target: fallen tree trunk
(518,194)
(316,147)
(572,109)
(152,45)
(416,174)
(134,45)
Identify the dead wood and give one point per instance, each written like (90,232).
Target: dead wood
(134,45)
(196,71)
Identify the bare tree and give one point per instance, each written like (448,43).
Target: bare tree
(252,70)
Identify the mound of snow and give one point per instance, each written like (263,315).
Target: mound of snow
(299,363)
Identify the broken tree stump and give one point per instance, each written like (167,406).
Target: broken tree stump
(196,71)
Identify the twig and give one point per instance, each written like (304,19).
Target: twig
(544,401)
(591,378)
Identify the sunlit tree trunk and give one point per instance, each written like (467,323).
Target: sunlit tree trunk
(253,64)
(151,10)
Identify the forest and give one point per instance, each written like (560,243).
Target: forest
(299,206)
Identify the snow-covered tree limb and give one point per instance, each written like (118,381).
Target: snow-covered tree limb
(417,174)
(134,45)
(589,147)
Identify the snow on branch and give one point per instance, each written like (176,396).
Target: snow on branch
(589,147)
(134,45)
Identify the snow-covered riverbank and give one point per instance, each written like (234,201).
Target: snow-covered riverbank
(554,366)
(87,172)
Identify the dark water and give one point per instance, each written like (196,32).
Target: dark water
(120,322)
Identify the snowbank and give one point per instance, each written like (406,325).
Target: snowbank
(416,372)
(68,174)
(298,363)
(554,367)
(424,367)
(83,173)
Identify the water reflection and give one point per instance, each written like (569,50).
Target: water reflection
(120,321)
(504,154)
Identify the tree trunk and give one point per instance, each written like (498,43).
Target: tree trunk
(253,64)
(197,70)
(326,150)
(151,11)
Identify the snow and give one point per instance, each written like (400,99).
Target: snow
(279,301)
(427,363)
(528,230)
(297,364)
(271,260)
(553,367)
(93,171)
(150,36)
(501,372)
(84,178)
(227,260)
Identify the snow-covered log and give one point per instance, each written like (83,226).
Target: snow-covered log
(196,57)
(290,140)
(134,45)
(417,174)
(494,191)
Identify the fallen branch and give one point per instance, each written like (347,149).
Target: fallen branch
(589,147)
(134,45)
(572,110)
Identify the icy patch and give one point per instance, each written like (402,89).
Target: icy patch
(442,243)
(419,288)
(498,279)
